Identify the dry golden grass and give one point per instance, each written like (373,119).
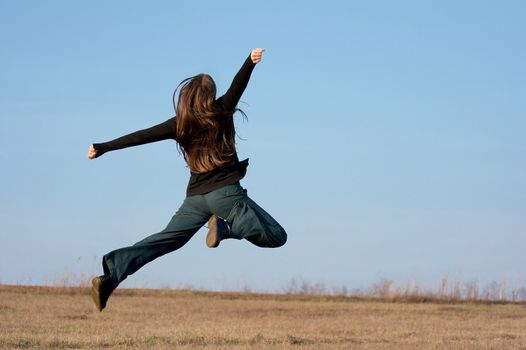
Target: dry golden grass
(64,318)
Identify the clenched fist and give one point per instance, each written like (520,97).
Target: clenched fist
(92,152)
(256,55)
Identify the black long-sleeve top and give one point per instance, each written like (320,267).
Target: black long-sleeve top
(203,182)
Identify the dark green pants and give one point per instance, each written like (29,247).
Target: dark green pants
(246,219)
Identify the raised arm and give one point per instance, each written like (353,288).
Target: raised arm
(231,98)
(162,131)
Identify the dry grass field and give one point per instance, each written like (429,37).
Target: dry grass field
(64,318)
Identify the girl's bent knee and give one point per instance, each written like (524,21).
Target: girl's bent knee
(280,239)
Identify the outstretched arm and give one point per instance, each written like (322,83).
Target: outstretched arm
(231,98)
(162,131)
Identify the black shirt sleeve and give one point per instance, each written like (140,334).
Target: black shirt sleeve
(230,99)
(159,132)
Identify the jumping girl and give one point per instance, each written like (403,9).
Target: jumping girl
(203,128)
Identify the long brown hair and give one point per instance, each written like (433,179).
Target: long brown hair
(204,130)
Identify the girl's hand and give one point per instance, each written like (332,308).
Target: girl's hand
(92,152)
(256,54)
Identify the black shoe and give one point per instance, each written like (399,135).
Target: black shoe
(101,289)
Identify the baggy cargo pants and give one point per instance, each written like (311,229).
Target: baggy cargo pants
(246,220)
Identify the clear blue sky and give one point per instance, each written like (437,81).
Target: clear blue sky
(388,138)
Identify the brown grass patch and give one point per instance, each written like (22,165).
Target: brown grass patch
(64,318)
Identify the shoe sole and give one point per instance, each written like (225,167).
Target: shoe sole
(212,238)
(95,293)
